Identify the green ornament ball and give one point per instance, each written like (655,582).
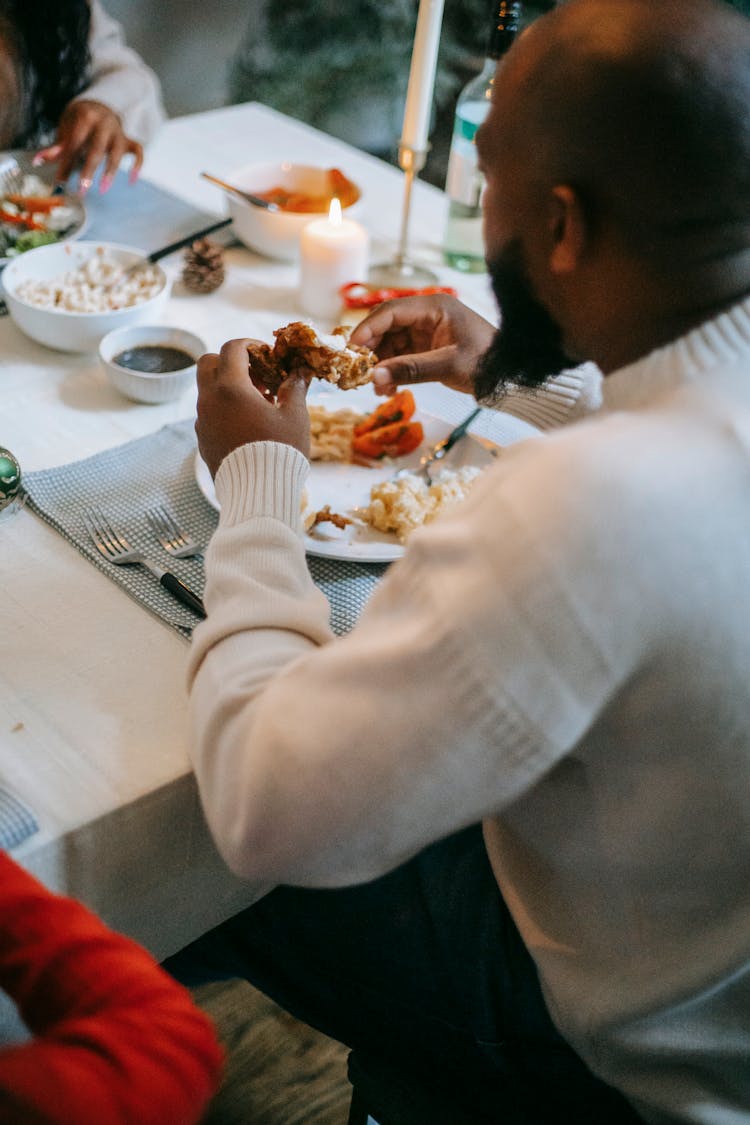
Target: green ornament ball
(10,477)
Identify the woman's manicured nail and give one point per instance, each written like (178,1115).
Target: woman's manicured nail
(105,183)
(83,185)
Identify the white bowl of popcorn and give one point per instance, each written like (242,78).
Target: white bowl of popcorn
(68,296)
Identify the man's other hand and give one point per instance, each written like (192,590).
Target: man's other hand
(424,340)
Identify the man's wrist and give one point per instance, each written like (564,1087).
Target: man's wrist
(263,478)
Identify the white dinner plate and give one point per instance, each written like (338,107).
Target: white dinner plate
(346,487)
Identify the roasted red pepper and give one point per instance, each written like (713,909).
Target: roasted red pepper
(36,203)
(397,408)
(21,220)
(357,295)
(395,440)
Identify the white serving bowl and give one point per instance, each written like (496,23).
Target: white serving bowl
(276,234)
(74,331)
(144,386)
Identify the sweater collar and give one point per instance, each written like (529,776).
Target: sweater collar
(723,341)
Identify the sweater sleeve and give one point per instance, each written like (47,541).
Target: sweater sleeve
(324,764)
(121,80)
(116,1040)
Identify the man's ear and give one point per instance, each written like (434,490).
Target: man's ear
(568,229)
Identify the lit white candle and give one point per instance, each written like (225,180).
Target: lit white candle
(333,252)
(422,75)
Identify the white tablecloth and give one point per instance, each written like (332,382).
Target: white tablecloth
(92,691)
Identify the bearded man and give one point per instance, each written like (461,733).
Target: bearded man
(533,877)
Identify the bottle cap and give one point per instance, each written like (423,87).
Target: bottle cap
(504,27)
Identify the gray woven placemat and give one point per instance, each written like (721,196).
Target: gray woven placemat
(159,470)
(17,821)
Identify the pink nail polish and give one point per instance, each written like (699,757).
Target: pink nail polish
(105,183)
(37,160)
(134,174)
(83,186)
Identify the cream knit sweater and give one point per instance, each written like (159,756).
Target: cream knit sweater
(566,658)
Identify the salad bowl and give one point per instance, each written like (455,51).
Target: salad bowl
(33,212)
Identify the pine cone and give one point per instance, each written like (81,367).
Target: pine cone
(203,270)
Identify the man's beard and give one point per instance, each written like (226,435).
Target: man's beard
(527,349)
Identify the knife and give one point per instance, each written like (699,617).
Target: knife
(180,590)
(185,241)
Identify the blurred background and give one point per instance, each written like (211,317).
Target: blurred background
(342,67)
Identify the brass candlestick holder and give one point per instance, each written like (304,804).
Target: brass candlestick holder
(403,271)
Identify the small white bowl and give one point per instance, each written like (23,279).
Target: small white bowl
(276,234)
(74,331)
(145,386)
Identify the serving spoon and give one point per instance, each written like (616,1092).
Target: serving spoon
(245,196)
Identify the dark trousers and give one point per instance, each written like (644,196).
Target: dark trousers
(422,968)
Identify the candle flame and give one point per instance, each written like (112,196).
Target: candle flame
(334,212)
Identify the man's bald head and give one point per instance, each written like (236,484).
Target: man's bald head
(617,159)
(644,107)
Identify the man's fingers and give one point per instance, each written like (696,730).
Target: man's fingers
(405,315)
(207,368)
(423,367)
(386,318)
(292,394)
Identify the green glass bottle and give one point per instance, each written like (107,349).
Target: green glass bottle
(462,241)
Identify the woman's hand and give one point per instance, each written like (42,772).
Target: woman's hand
(423,340)
(232,411)
(89,133)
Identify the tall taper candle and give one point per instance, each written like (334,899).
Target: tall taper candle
(422,75)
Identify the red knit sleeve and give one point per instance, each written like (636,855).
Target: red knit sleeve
(116,1039)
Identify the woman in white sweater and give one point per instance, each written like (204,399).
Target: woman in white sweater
(67,76)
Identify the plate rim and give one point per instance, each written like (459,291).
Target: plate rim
(336,549)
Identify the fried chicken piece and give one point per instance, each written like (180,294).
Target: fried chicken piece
(263,366)
(298,345)
(325,515)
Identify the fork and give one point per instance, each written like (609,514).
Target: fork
(439,450)
(114,547)
(171,536)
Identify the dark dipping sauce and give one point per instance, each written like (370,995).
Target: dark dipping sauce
(154,359)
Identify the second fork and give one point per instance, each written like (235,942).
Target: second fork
(171,536)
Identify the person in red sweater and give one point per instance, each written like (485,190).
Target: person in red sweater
(116,1041)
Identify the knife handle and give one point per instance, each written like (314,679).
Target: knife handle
(172,583)
(157,254)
